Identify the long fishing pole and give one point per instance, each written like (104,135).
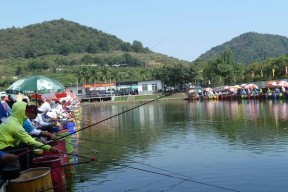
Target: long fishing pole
(108,143)
(93,124)
(183,177)
(171,176)
(90,160)
(123,112)
(131,161)
(186,179)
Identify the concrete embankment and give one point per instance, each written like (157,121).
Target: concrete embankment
(139,98)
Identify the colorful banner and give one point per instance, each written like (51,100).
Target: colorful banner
(99,85)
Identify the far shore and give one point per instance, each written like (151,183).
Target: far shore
(138,99)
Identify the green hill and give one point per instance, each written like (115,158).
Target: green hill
(251,47)
(60,37)
(62,49)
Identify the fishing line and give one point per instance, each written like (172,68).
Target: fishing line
(131,161)
(108,143)
(183,177)
(118,114)
(171,176)
(157,173)
(74,154)
(147,165)
(102,111)
(70,164)
(93,124)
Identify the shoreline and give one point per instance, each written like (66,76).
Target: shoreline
(176,96)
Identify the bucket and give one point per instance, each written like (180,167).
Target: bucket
(57,172)
(68,140)
(70,126)
(60,145)
(38,179)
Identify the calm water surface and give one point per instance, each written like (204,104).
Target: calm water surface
(242,146)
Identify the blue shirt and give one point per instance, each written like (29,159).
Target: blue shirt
(28,126)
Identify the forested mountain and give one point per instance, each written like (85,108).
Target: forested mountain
(60,37)
(251,47)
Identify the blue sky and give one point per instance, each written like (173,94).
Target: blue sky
(183,29)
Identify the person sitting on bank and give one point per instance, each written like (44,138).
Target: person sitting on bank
(45,124)
(44,105)
(31,113)
(14,139)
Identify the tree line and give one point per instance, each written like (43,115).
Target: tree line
(89,68)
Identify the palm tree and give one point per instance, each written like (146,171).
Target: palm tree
(83,74)
(105,74)
(94,74)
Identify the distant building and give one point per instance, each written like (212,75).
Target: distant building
(77,90)
(119,88)
(150,87)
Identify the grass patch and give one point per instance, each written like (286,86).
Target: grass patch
(143,97)
(121,98)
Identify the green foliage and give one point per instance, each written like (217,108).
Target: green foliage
(251,47)
(175,75)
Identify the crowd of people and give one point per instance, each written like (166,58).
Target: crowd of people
(26,126)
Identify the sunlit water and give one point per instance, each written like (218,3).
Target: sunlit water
(216,146)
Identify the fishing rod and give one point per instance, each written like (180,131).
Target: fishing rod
(102,111)
(167,175)
(131,161)
(182,177)
(118,114)
(108,143)
(93,124)
(185,179)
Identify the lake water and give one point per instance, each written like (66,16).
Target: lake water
(185,146)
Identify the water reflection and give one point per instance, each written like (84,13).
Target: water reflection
(187,137)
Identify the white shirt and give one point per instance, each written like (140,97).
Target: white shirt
(45,107)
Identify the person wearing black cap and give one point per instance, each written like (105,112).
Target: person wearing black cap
(31,113)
